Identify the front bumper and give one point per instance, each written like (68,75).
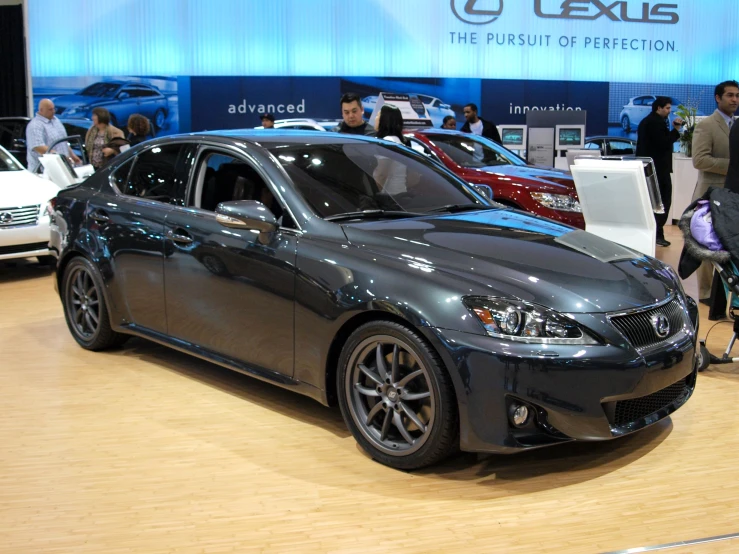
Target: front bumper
(573,392)
(25,241)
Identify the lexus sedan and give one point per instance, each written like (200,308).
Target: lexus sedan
(611,146)
(358,272)
(24,219)
(544,191)
(120,98)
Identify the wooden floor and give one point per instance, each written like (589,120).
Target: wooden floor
(148,450)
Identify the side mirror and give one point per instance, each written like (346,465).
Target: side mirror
(123,96)
(18,144)
(483,190)
(247,215)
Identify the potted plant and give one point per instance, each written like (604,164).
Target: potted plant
(687,114)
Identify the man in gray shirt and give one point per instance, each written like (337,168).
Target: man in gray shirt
(43,131)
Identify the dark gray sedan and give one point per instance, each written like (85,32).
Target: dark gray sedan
(357,272)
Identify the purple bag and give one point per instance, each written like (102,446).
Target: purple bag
(701,227)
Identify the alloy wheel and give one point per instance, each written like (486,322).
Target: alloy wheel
(390,395)
(83,303)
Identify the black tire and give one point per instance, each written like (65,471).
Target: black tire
(626,123)
(411,387)
(160,118)
(85,309)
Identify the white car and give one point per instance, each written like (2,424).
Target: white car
(640,107)
(24,221)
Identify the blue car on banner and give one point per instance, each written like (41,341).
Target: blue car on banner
(120,98)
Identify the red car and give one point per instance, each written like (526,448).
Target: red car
(543,191)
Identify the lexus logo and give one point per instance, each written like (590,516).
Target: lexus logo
(6,218)
(661,325)
(477,12)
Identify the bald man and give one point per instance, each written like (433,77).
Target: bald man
(43,131)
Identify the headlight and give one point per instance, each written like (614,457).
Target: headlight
(524,322)
(557,201)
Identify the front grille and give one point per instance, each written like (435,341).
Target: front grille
(634,409)
(640,331)
(18,248)
(24,215)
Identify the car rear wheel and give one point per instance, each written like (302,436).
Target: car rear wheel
(84,307)
(396,397)
(159,118)
(626,123)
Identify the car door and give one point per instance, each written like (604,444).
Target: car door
(127,104)
(227,290)
(642,108)
(126,221)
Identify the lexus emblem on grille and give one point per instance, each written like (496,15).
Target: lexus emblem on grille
(661,325)
(6,218)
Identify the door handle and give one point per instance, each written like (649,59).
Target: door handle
(180,237)
(99,216)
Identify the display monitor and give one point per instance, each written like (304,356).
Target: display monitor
(513,136)
(567,137)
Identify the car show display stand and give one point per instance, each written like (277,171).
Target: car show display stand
(616,201)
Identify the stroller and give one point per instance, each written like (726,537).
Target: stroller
(708,224)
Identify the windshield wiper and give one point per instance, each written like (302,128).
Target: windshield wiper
(371,214)
(454,208)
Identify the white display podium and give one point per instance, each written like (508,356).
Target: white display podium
(684,178)
(615,201)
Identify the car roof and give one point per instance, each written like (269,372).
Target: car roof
(278,136)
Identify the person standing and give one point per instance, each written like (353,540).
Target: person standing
(711,158)
(655,140)
(352,112)
(43,131)
(268,121)
(449,123)
(478,125)
(98,135)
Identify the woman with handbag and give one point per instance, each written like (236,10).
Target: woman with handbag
(98,136)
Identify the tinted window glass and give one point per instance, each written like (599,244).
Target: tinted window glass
(469,151)
(100,89)
(341,178)
(621,147)
(120,175)
(155,175)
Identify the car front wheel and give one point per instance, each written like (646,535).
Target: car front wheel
(626,123)
(84,307)
(159,118)
(396,397)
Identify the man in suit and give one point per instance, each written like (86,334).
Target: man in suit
(711,158)
(478,125)
(655,140)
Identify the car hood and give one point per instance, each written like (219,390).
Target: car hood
(553,180)
(510,254)
(76,100)
(23,188)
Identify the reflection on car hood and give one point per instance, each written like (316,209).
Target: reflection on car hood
(510,254)
(544,176)
(23,188)
(75,100)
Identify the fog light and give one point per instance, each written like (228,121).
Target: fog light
(519,414)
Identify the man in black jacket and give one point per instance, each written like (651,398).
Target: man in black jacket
(478,125)
(353,112)
(655,140)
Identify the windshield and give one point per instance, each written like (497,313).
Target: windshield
(355,177)
(473,151)
(8,162)
(106,90)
